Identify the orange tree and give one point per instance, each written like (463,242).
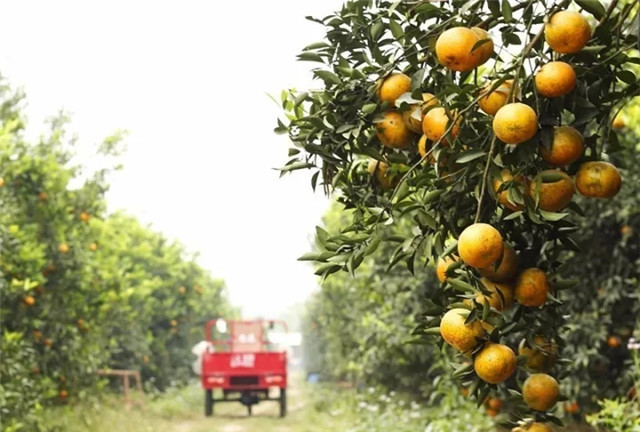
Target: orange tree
(353,332)
(81,289)
(477,121)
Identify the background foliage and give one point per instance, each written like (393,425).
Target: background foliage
(82,289)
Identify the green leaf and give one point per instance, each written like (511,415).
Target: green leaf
(594,7)
(453,246)
(369,108)
(309,56)
(316,256)
(552,216)
(469,156)
(432,195)
(514,215)
(417,78)
(396,29)
(494,7)
(627,76)
(327,269)
(315,46)
(328,76)
(432,331)
(506,11)
(461,285)
(321,235)
(376,29)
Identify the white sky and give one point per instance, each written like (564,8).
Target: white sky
(188,80)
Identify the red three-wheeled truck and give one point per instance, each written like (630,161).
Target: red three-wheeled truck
(243,364)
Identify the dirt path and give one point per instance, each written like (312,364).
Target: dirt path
(232,416)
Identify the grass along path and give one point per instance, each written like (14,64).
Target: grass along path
(182,411)
(312,408)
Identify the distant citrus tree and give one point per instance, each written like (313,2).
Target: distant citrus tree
(80,289)
(479,123)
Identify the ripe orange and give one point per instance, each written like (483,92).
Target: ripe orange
(37,335)
(436,122)
(598,180)
(29,300)
(43,196)
(454,48)
(174,323)
(542,356)
(486,49)
(491,102)
(145,359)
(414,115)
(63,394)
(567,32)
(394,86)
(555,79)
(540,392)
(93,247)
(392,132)
(613,341)
(501,296)
(532,287)
(1,182)
(507,268)
(423,147)
(182,290)
(618,122)
(534,427)
(567,147)
(385,179)
(494,403)
(63,248)
(503,196)
(492,412)
(442,266)
(480,245)
(554,195)
(495,363)
(80,322)
(571,407)
(84,217)
(515,123)
(48,342)
(461,336)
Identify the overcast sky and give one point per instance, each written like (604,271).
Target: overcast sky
(188,80)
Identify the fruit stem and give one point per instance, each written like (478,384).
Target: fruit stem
(485,175)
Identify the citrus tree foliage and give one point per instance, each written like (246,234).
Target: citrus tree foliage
(353,332)
(80,289)
(605,306)
(451,180)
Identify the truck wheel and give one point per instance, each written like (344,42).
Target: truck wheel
(283,402)
(208,403)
